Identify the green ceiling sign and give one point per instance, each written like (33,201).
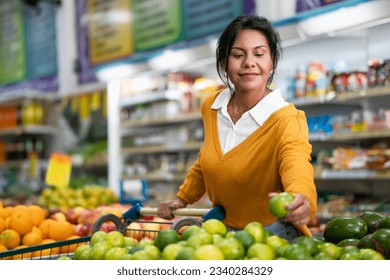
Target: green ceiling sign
(156,23)
(12,52)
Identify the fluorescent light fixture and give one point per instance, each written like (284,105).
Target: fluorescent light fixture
(346,18)
(170,60)
(120,71)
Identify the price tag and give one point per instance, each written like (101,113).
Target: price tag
(58,170)
(33,164)
(84,107)
(95,101)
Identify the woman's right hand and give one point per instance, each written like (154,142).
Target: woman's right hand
(166,208)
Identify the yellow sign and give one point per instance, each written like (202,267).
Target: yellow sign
(109,30)
(58,170)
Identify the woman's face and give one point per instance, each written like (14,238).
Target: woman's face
(250,61)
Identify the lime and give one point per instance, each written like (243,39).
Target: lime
(245,238)
(186,253)
(276,241)
(64,258)
(308,243)
(153,252)
(189,231)
(296,252)
(98,236)
(170,251)
(232,248)
(261,252)
(257,231)
(370,254)
(115,253)
(165,237)
(277,204)
(77,253)
(322,256)
(215,226)
(99,250)
(199,238)
(209,252)
(330,249)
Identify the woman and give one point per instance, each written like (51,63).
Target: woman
(255,144)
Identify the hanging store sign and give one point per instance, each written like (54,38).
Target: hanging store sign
(202,18)
(156,23)
(109,30)
(12,52)
(40,35)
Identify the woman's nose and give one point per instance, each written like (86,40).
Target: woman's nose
(248,62)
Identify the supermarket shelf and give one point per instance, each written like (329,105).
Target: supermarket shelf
(352,174)
(157,177)
(172,147)
(137,99)
(182,118)
(334,98)
(12,164)
(350,136)
(20,95)
(29,129)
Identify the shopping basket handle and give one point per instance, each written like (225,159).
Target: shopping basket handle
(137,210)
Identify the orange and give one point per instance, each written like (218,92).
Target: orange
(45,226)
(2,224)
(27,255)
(71,247)
(48,251)
(32,238)
(10,238)
(20,207)
(2,249)
(61,230)
(1,205)
(38,213)
(21,221)
(6,212)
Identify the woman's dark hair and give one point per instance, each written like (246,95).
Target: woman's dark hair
(228,36)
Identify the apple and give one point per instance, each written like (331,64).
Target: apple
(59,216)
(71,216)
(108,226)
(84,229)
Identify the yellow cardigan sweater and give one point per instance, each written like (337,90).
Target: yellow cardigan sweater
(274,158)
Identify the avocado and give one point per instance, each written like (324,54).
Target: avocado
(348,242)
(381,238)
(385,223)
(341,228)
(366,242)
(372,220)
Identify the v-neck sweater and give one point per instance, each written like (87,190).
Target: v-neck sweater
(274,158)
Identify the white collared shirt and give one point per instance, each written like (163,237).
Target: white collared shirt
(230,134)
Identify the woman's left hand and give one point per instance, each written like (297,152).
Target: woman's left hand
(299,210)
